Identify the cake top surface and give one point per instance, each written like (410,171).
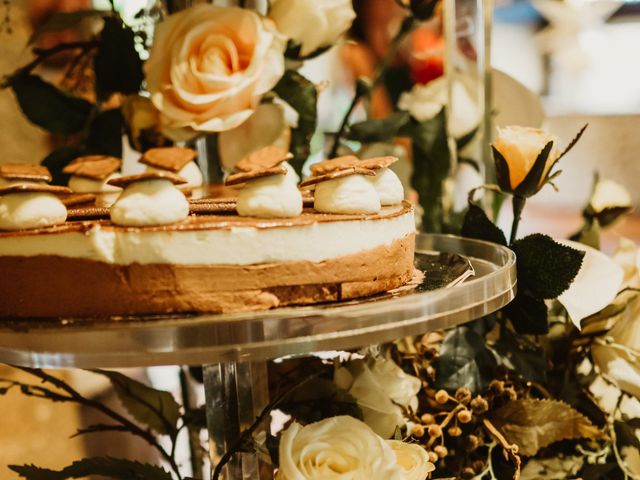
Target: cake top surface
(34,188)
(27,172)
(223,220)
(168,158)
(95,167)
(122,182)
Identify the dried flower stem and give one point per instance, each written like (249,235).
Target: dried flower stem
(510,448)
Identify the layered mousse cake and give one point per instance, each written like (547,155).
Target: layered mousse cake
(155,252)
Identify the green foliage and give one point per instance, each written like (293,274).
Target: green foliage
(117,468)
(57,160)
(534,179)
(302,95)
(379,130)
(477,225)
(545,267)
(522,356)
(156,409)
(61,21)
(105,134)
(529,315)
(117,64)
(49,107)
(503,175)
(464,361)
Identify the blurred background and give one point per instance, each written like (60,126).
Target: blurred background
(580,57)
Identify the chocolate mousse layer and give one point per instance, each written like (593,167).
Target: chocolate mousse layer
(52,286)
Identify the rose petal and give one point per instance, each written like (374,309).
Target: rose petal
(596,285)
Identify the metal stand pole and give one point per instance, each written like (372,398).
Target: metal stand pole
(235,394)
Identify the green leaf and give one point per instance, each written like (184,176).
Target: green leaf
(105,135)
(532,182)
(61,21)
(57,160)
(154,408)
(528,315)
(523,356)
(117,468)
(545,267)
(477,225)
(590,234)
(431,165)
(302,96)
(503,175)
(464,361)
(571,144)
(117,64)
(378,130)
(464,140)
(626,435)
(49,107)
(534,424)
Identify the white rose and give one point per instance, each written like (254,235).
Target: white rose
(609,194)
(520,147)
(380,389)
(424,101)
(209,66)
(335,448)
(412,459)
(312,23)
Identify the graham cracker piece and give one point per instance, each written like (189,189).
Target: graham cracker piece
(335,174)
(171,159)
(78,199)
(338,163)
(94,167)
(267,157)
(243,177)
(35,187)
(378,163)
(27,172)
(122,182)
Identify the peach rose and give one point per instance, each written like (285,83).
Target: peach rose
(209,67)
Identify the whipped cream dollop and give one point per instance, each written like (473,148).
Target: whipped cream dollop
(87,185)
(388,186)
(270,197)
(27,210)
(150,202)
(190,172)
(292,176)
(353,194)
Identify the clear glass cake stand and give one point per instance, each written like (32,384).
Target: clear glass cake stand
(234,348)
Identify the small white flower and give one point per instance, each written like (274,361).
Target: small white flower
(609,194)
(412,459)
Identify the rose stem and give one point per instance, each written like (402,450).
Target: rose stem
(518,206)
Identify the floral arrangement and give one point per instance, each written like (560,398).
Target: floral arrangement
(548,387)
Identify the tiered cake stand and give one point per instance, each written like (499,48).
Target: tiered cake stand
(234,348)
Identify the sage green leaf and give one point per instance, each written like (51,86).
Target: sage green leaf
(105,134)
(302,96)
(464,361)
(49,107)
(57,160)
(477,225)
(61,21)
(156,409)
(117,468)
(378,130)
(545,267)
(534,180)
(533,424)
(117,64)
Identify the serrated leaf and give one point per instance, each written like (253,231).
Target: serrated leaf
(57,160)
(533,424)
(61,21)
(49,107)
(105,134)
(477,225)
(156,409)
(464,361)
(117,64)
(528,315)
(378,130)
(117,468)
(302,96)
(533,181)
(545,267)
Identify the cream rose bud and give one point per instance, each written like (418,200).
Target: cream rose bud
(312,23)
(336,448)
(209,67)
(412,460)
(520,147)
(608,202)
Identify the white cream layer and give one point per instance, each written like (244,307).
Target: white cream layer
(236,246)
